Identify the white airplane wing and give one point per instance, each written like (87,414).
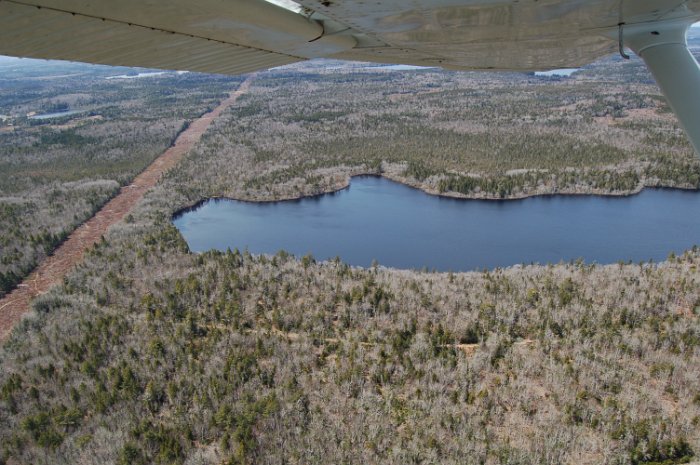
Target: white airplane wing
(214,36)
(238,36)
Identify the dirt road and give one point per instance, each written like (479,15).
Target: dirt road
(52,270)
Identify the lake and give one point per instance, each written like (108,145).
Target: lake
(58,114)
(402,227)
(557,72)
(137,75)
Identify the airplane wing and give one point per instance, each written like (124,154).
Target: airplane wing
(239,36)
(213,36)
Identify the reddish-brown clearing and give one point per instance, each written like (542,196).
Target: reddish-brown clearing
(52,270)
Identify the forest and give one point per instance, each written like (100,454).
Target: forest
(150,354)
(147,353)
(604,130)
(58,171)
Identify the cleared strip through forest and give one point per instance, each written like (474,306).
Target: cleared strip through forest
(52,270)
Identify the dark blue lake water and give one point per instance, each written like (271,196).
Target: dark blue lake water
(403,227)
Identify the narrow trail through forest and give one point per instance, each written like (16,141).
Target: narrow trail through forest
(52,270)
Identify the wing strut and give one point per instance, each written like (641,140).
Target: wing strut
(621,41)
(663,47)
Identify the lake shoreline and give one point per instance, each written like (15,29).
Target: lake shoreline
(379,219)
(425,189)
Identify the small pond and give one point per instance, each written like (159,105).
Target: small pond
(58,114)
